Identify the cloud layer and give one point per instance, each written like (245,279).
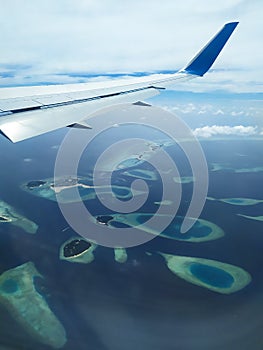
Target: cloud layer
(49,40)
(239,130)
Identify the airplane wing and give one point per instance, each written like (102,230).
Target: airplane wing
(31,111)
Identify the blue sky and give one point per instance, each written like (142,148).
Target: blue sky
(65,40)
(216,115)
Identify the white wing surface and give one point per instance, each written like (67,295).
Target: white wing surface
(31,111)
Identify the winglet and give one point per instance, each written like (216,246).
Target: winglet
(201,63)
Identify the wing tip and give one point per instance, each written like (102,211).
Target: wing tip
(231,25)
(234,23)
(202,62)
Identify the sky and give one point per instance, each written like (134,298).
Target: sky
(68,41)
(216,115)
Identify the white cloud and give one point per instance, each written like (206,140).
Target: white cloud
(218,112)
(113,36)
(209,131)
(223,111)
(235,113)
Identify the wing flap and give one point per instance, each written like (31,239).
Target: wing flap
(18,103)
(42,109)
(21,126)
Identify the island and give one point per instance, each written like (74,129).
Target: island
(63,189)
(9,215)
(77,250)
(120,255)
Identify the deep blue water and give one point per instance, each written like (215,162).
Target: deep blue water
(139,304)
(212,275)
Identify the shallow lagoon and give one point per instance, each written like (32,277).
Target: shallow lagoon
(211,274)
(49,189)
(201,231)
(8,215)
(140,302)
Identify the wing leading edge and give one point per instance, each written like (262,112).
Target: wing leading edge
(32,111)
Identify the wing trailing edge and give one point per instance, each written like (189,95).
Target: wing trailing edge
(24,115)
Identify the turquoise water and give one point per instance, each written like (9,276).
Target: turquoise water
(197,230)
(173,230)
(139,304)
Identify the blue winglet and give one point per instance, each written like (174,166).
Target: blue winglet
(201,63)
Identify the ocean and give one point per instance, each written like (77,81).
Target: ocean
(106,305)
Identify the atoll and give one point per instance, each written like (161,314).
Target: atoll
(28,307)
(64,188)
(201,231)
(211,274)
